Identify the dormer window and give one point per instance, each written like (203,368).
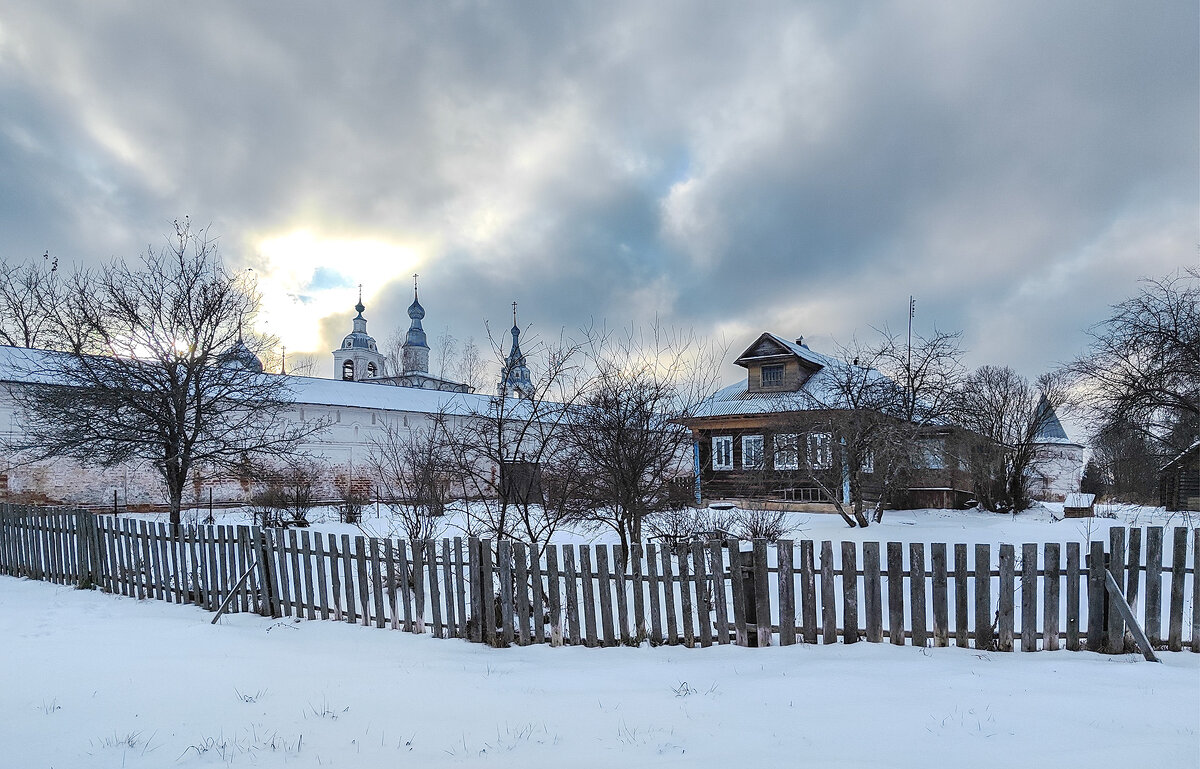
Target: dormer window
(772,375)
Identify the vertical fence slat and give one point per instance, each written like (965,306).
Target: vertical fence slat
(452,623)
(668,583)
(553,597)
(588,607)
(640,626)
(571,585)
(916,591)
(460,586)
(1073,596)
(895,571)
(828,606)
(656,632)
(704,594)
(435,599)
(872,592)
(620,563)
(475,577)
(1050,607)
(1029,596)
(941,607)
(962,627)
(310,601)
(808,593)
(520,558)
(849,592)
(393,596)
(1005,617)
(983,596)
(376,582)
(504,561)
(762,591)
(1153,615)
(787,597)
(363,580)
(685,596)
(1116,567)
(716,567)
(1178,568)
(740,632)
(604,584)
(1096,600)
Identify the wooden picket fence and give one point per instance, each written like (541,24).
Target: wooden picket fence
(1037,596)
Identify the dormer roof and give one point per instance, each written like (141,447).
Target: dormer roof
(770,347)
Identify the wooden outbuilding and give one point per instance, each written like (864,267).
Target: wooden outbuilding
(1179,481)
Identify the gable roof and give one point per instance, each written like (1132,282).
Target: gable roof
(769,346)
(1050,430)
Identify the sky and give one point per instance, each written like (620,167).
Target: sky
(731,168)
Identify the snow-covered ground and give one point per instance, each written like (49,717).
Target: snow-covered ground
(94,680)
(1042,523)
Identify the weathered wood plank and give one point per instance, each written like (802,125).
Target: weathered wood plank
(849,592)
(604,585)
(808,592)
(941,603)
(685,599)
(787,594)
(393,582)
(452,623)
(553,597)
(1005,617)
(335,579)
(521,586)
(1052,564)
(375,545)
(1196,590)
(656,628)
(703,595)
(983,596)
(640,624)
(1072,597)
(310,601)
(504,560)
(293,546)
(895,591)
(487,585)
(350,613)
(916,592)
(1133,567)
(588,607)
(621,561)
(762,591)
(435,597)
(872,593)
(1116,567)
(716,567)
(740,631)
(1096,625)
(571,586)
(828,595)
(461,587)
(474,573)
(1178,570)
(668,584)
(1153,613)
(1121,606)
(1029,596)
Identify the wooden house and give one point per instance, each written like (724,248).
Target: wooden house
(772,439)
(1179,481)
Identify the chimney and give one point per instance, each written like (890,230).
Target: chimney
(800,341)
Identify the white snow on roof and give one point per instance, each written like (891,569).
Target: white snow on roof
(18,364)
(1078,499)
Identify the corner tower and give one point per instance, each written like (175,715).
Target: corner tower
(358,358)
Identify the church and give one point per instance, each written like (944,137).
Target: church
(357,404)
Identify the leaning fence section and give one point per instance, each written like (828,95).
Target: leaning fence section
(983,596)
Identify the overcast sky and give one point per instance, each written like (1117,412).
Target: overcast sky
(735,167)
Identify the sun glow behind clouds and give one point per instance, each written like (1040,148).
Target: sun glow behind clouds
(304,277)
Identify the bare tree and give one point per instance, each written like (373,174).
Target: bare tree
(626,433)
(514,473)
(287,493)
(1142,377)
(157,367)
(1006,413)
(30,294)
(412,474)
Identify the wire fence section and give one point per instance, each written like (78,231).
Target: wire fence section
(983,596)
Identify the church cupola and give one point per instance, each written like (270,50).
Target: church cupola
(415,351)
(514,377)
(358,358)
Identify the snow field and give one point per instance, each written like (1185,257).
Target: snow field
(95,680)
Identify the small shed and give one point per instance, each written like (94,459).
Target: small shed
(1179,481)
(1079,505)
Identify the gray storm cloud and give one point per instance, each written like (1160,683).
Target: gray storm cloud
(736,167)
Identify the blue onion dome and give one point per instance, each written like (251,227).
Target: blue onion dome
(415,310)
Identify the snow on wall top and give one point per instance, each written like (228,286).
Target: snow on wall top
(20,365)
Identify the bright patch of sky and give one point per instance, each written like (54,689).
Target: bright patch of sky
(304,276)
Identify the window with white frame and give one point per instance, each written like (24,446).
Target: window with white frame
(787,451)
(752,452)
(820,451)
(722,452)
